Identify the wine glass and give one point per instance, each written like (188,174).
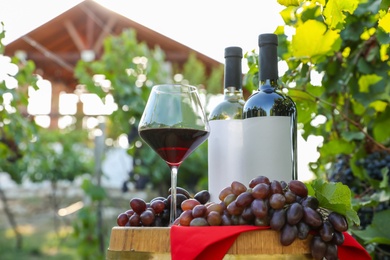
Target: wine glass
(173,124)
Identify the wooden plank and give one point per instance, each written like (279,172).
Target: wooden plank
(157,240)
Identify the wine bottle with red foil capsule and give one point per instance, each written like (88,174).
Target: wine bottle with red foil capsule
(270,121)
(225,120)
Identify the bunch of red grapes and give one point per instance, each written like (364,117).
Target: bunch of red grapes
(284,207)
(156,212)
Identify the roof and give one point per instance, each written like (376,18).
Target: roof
(56,46)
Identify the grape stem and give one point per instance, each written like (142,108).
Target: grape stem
(324,212)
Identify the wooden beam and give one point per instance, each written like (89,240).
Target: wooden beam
(90,32)
(48,53)
(103,34)
(70,57)
(105,26)
(78,41)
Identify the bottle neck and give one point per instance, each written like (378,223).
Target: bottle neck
(232,73)
(268,63)
(268,84)
(232,92)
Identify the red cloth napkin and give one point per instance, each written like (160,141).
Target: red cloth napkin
(351,249)
(196,243)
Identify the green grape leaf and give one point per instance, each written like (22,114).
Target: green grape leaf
(385,182)
(334,11)
(384,23)
(366,81)
(288,14)
(337,146)
(335,196)
(378,230)
(96,192)
(312,41)
(379,105)
(289,2)
(381,127)
(358,108)
(350,136)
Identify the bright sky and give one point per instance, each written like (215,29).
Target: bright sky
(204,25)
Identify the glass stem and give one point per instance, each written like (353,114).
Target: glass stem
(174,170)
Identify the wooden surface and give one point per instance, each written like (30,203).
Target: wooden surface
(154,243)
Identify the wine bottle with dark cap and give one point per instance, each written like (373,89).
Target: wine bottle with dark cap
(270,120)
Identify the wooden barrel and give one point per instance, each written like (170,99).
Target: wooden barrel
(154,243)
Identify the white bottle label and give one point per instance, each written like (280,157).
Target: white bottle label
(268,148)
(225,146)
(240,150)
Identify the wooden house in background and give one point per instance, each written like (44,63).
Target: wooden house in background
(78,33)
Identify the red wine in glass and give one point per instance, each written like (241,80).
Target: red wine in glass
(173,124)
(173,144)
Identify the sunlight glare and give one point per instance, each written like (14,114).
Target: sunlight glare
(123,141)
(43,120)
(70,209)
